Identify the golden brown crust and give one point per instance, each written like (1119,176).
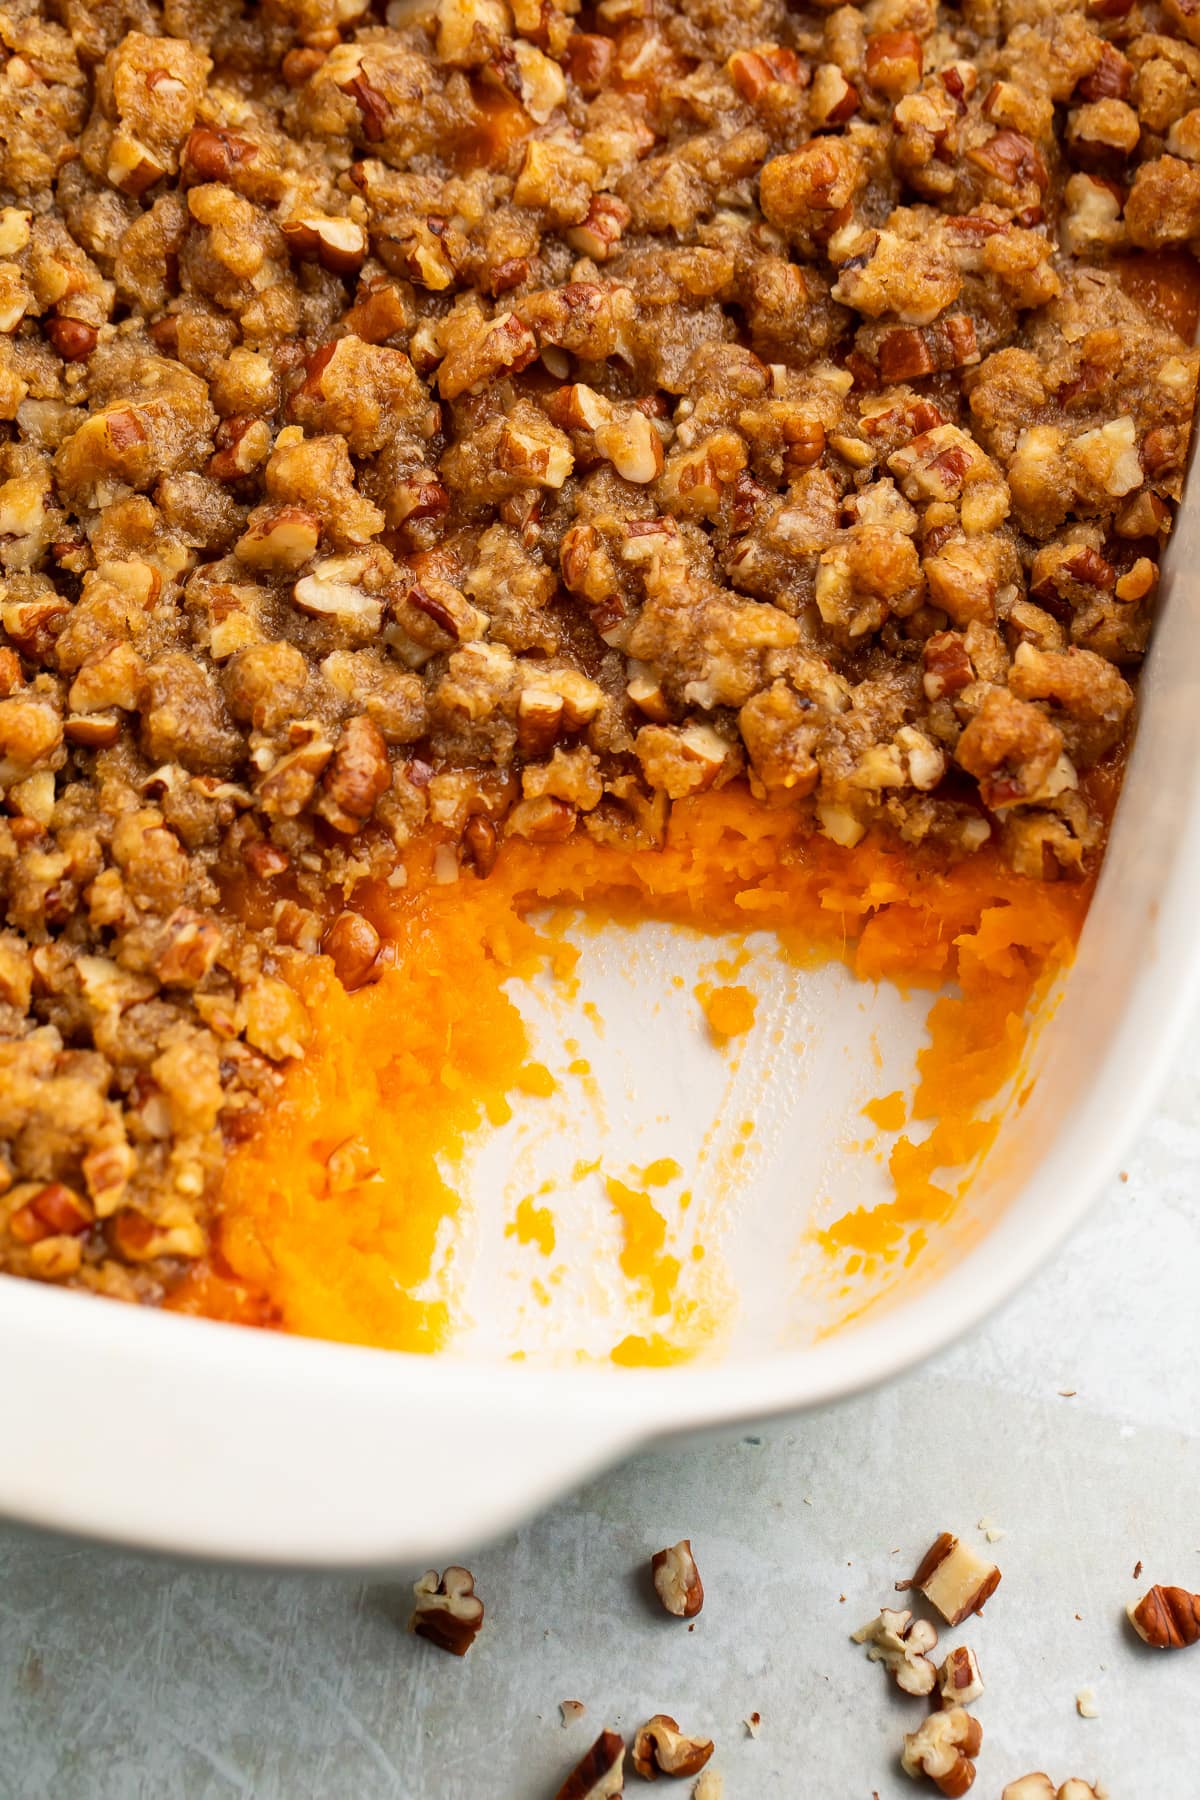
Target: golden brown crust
(481,423)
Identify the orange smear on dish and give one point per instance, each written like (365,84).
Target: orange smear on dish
(888,1112)
(644,1258)
(533,1224)
(1003,950)
(333,1211)
(653,1351)
(729,1010)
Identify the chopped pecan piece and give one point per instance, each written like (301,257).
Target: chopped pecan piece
(338,244)
(1040,1787)
(448,1611)
(215,154)
(352,943)
(893,62)
(51,1211)
(659,1747)
(479,836)
(1013,159)
(677,1580)
(954,1579)
(943,1749)
(190,948)
(959,1680)
(357,775)
(902,1644)
(600,1774)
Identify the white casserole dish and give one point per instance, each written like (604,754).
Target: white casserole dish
(183,1435)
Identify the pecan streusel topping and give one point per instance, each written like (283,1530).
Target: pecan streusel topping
(508,420)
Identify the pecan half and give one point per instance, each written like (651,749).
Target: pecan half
(1166,1618)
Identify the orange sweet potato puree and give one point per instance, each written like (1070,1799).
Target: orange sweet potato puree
(330,1214)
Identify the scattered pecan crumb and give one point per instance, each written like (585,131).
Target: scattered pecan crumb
(943,1749)
(954,1579)
(1040,1787)
(902,1644)
(600,1773)
(448,1611)
(677,1580)
(659,1747)
(959,1680)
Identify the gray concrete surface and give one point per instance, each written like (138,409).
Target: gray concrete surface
(123,1678)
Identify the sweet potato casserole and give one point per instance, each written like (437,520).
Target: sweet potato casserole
(694,455)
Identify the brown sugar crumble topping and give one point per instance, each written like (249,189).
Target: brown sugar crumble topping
(516,418)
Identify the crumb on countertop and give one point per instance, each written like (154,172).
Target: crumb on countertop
(1085,1703)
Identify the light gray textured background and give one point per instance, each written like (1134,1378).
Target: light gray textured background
(123,1678)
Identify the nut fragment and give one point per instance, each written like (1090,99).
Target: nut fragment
(352,943)
(286,538)
(539,720)
(756,73)
(50,1211)
(331,592)
(632,446)
(542,819)
(479,836)
(942,1749)
(1167,1618)
(73,340)
(645,690)
(243,444)
(600,1774)
(660,1748)
(1040,1787)
(600,230)
(959,1680)
(189,949)
(357,776)
(677,1580)
(901,1642)
(215,154)
(338,244)
(893,62)
(954,1579)
(93,731)
(448,1611)
(833,100)
(131,167)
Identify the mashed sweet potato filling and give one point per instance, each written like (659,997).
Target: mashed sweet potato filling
(330,1214)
